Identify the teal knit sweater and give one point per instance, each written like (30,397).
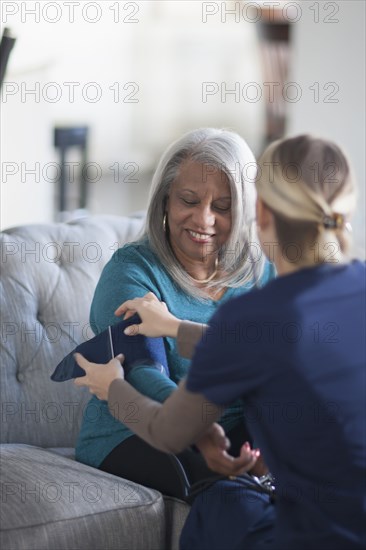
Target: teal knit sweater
(133,271)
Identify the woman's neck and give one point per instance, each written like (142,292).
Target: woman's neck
(199,270)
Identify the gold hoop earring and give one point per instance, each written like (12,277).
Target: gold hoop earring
(164,222)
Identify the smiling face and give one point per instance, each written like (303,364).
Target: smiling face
(198,213)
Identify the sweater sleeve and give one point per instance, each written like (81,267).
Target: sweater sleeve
(151,382)
(179,422)
(127,275)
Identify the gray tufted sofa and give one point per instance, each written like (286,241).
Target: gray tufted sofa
(49,501)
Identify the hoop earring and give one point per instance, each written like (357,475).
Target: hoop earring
(164,222)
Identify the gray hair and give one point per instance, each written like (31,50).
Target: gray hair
(239,262)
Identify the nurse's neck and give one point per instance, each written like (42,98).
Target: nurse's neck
(284,267)
(291,258)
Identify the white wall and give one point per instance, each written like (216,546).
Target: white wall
(168,53)
(80,52)
(327,52)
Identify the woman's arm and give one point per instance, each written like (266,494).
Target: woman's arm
(183,419)
(125,275)
(129,273)
(158,321)
(188,336)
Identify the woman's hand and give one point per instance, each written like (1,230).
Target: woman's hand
(156,319)
(260,468)
(213,446)
(99,377)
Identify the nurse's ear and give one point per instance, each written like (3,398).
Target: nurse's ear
(264,216)
(266,229)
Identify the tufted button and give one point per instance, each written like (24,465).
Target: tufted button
(20,377)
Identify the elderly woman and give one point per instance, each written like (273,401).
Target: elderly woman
(304,375)
(195,254)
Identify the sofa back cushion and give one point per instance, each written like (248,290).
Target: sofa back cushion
(48,277)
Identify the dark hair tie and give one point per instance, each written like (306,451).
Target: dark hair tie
(336,221)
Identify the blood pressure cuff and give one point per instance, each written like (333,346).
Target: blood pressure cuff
(109,343)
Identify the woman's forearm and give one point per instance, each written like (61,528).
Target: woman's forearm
(189,334)
(180,421)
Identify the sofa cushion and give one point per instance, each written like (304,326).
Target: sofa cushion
(67,452)
(49,501)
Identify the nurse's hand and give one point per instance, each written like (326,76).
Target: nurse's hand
(214,445)
(156,319)
(98,377)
